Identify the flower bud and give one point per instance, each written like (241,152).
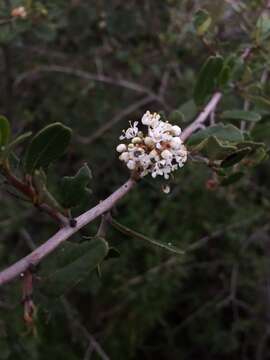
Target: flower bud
(176,143)
(182,151)
(124,156)
(131,164)
(121,147)
(166,189)
(149,141)
(176,130)
(136,140)
(166,154)
(153,154)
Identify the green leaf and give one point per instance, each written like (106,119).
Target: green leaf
(4,130)
(11,145)
(259,101)
(262,31)
(127,231)
(232,66)
(188,109)
(257,156)
(113,253)
(235,157)
(261,132)
(73,189)
(224,76)
(75,263)
(241,115)
(231,179)
(18,140)
(44,195)
(46,146)
(215,149)
(208,78)
(176,117)
(225,133)
(202,21)
(251,144)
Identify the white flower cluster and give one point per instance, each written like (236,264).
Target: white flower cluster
(159,152)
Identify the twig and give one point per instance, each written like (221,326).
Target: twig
(73,318)
(28,239)
(118,117)
(54,214)
(28,190)
(50,245)
(209,108)
(104,225)
(63,234)
(85,75)
(164,82)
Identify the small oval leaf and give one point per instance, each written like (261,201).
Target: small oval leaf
(241,115)
(235,157)
(208,78)
(46,146)
(73,189)
(76,264)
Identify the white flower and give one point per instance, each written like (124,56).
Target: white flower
(154,154)
(159,151)
(131,132)
(176,130)
(150,119)
(176,143)
(124,156)
(131,164)
(166,154)
(121,147)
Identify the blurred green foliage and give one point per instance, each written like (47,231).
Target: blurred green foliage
(93,66)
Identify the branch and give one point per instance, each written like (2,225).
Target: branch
(209,108)
(49,246)
(66,232)
(84,75)
(118,117)
(79,329)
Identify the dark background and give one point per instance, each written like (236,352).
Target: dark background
(95,65)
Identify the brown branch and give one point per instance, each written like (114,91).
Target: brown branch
(63,234)
(27,189)
(196,124)
(18,184)
(54,214)
(50,245)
